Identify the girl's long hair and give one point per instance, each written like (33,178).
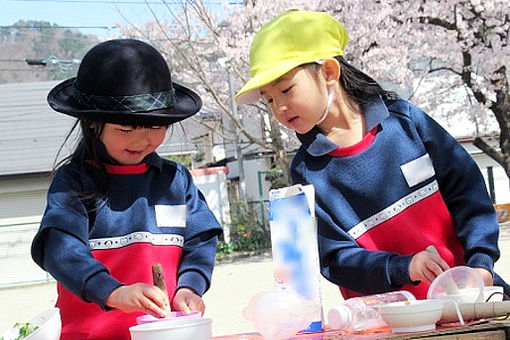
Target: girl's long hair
(357,84)
(87,151)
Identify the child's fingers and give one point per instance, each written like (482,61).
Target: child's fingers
(182,306)
(442,263)
(186,301)
(152,308)
(197,305)
(486,276)
(154,301)
(432,270)
(156,295)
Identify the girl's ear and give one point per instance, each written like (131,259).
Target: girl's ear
(331,71)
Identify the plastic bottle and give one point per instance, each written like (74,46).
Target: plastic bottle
(357,314)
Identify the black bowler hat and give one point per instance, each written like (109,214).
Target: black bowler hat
(127,82)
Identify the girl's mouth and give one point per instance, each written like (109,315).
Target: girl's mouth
(134,153)
(293,120)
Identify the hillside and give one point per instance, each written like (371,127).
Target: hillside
(36,41)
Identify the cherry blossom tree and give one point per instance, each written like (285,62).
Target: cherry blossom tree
(465,42)
(458,46)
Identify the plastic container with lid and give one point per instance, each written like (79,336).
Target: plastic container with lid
(357,314)
(462,284)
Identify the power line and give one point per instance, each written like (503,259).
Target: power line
(96,2)
(13,60)
(78,27)
(135,2)
(25,69)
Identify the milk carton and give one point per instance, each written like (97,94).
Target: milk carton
(294,244)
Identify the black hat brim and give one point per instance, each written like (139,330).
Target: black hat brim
(186,104)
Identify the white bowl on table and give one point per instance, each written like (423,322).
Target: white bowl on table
(412,316)
(49,326)
(177,329)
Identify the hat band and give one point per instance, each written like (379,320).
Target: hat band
(135,103)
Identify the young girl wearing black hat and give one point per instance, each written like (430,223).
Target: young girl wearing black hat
(115,207)
(389,181)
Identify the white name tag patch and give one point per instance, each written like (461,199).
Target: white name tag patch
(170,215)
(418,170)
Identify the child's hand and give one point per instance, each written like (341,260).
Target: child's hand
(186,300)
(139,297)
(486,276)
(426,266)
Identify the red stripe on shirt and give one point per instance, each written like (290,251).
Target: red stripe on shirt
(136,169)
(356,148)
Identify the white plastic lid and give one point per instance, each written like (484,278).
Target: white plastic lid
(339,317)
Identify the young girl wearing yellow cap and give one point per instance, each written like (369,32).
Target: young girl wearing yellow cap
(389,181)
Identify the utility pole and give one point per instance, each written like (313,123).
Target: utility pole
(225,63)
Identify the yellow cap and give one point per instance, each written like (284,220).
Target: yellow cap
(291,39)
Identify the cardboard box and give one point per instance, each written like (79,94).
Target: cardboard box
(503,212)
(294,244)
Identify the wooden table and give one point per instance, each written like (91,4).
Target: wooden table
(478,330)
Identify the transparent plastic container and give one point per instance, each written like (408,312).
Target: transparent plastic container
(462,284)
(357,314)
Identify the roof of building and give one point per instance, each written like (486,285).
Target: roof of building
(31,133)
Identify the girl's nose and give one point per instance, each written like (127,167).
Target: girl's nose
(281,106)
(141,135)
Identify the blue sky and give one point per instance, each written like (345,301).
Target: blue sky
(75,13)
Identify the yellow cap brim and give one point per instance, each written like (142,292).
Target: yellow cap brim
(250,92)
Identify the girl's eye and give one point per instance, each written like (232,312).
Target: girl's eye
(287,89)
(268,100)
(125,131)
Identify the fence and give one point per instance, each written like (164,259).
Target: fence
(16,264)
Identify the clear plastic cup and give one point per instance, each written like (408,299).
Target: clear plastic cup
(462,284)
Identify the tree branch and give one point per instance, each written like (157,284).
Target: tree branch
(489,150)
(437,22)
(444,69)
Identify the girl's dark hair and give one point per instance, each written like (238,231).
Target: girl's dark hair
(358,85)
(87,150)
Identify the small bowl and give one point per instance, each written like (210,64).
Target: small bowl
(412,316)
(146,318)
(177,329)
(49,327)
